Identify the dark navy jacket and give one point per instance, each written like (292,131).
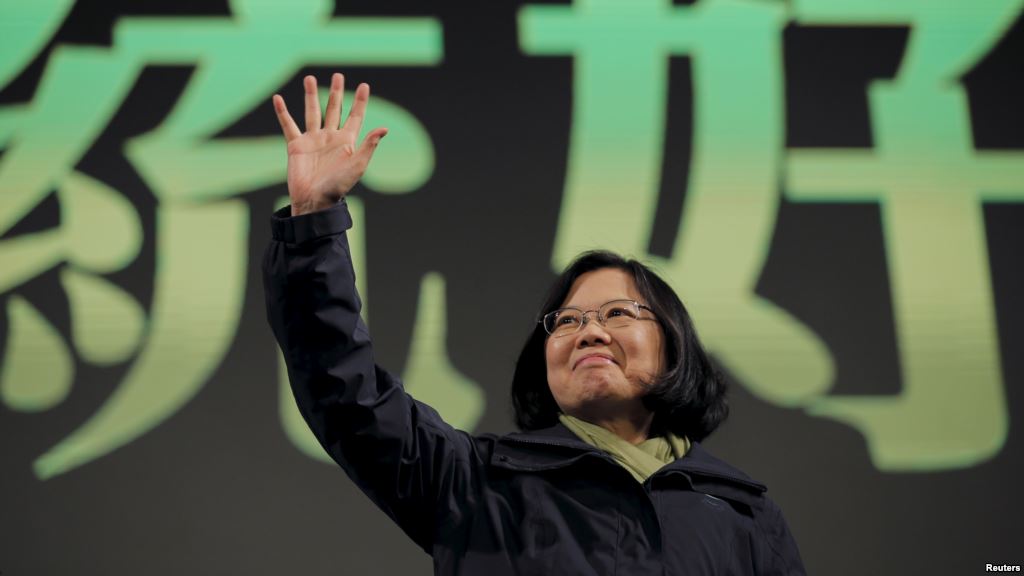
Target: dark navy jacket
(540,502)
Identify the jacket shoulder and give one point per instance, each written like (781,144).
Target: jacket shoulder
(780,555)
(699,459)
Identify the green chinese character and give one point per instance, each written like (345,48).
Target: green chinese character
(922,170)
(621,50)
(930,184)
(202,228)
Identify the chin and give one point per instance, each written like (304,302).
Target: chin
(596,387)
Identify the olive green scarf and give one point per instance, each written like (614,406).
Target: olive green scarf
(640,460)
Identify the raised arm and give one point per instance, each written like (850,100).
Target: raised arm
(398,451)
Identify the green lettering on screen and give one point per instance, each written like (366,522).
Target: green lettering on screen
(198,291)
(922,170)
(930,183)
(615,156)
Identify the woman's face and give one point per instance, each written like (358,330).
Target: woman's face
(598,372)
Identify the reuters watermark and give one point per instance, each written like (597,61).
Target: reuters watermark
(1002,567)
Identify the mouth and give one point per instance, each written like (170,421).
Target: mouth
(596,359)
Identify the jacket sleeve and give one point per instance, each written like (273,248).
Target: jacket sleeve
(397,450)
(779,555)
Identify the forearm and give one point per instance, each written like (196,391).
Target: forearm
(398,451)
(313,309)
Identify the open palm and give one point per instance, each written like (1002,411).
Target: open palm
(324,162)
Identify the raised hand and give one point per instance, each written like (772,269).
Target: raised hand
(324,163)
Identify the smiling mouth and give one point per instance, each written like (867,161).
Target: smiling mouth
(594,359)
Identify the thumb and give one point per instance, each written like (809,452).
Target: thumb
(370,142)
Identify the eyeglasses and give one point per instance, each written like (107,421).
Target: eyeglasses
(614,314)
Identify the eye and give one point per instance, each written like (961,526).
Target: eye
(621,311)
(566,319)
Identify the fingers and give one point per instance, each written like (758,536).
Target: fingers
(354,122)
(312,104)
(334,102)
(288,126)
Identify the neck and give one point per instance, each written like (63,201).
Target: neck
(633,428)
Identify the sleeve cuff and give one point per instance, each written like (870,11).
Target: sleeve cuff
(298,229)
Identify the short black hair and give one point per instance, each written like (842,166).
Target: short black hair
(688,398)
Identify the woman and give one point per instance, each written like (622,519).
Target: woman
(613,393)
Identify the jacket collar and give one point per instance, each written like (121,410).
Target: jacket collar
(557,447)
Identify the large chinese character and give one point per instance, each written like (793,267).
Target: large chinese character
(202,231)
(930,183)
(922,170)
(621,50)
(99,232)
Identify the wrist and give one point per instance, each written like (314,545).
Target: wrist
(300,208)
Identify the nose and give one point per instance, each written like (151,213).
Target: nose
(592,333)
